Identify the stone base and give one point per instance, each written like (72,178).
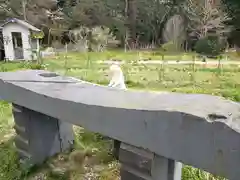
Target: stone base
(40,136)
(139,164)
(116,148)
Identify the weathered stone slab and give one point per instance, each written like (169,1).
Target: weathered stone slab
(40,136)
(199,130)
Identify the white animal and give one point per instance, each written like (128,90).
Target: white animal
(117,77)
(117,81)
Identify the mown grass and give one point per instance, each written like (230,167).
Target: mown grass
(98,162)
(147,55)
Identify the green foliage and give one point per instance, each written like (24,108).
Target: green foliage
(170,47)
(233,9)
(190,173)
(204,16)
(210,46)
(37,35)
(102,38)
(94,39)
(89,13)
(144,20)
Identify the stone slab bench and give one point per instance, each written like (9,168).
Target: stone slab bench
(157,131)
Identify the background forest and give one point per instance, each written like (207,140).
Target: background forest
(187,24)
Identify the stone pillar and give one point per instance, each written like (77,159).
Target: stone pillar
(39,136)
(116,148)
(139,164)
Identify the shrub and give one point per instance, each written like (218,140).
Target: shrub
(210,46)
(102,38)
(169,47)
(93,39)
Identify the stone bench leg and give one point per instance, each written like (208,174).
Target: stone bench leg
(39,136)
(139,164)
(116,148)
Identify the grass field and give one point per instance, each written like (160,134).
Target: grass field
(99,164)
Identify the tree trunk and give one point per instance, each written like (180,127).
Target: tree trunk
(131,16)
(126,26)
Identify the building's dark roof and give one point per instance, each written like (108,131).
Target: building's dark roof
(23,23)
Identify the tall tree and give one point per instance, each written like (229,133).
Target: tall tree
(35,11)
(233,8)
(205,16)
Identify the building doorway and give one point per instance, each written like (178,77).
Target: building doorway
(2,51)
(17,45)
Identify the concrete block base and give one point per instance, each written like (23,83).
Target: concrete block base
(40,136)
(139,164)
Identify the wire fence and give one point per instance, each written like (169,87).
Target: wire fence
(148,68)
(216,77)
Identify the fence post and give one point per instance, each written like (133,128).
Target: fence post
(39,136)
(140,164)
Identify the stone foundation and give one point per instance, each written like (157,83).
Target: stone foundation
(139,164)
(40,136)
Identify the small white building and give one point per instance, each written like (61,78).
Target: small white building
(19,40)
